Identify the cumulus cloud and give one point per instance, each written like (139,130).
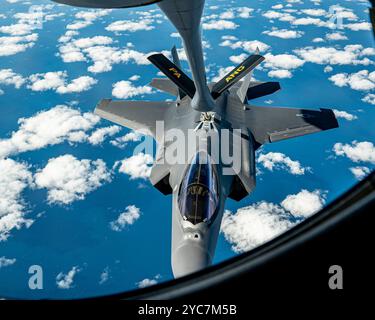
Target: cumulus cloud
(284,33)
(356,151)
(12,45)
(283,61)
(98,50)
(360,172)
(57,81)
(258,223)
(22,34)
(281,16)
(5,262)
(137,166)
(14,179)
(49,127)
(279,161)
(65,280)
(351,54)
(335,36)
(148,282)
(249,46)
(253,225)
(344,115)
(128,217)
(314,12)
(125,89)
(219,25)
(86,18)
(122,141)
(369,98)
(130,26)
(281,73)
(304,203)
(362,80)
(68,179)
(98,136)
(9,77)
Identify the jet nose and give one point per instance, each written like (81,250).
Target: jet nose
(188,258)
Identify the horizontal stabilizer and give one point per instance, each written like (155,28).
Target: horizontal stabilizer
(174,73)
(165,85)
(262,89)
(236,74)
(271,124)
(136,115)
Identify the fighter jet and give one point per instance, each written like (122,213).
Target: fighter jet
(201,183)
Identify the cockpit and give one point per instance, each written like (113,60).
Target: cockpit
(198,196)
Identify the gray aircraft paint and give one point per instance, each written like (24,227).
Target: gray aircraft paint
(193,245)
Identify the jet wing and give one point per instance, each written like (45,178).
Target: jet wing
(165,85)
(136,115)
(271,124)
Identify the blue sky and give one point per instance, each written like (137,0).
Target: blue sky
(74,199)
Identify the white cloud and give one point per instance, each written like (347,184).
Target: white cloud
(360,26)
(304,203)
(281,73)
(97,50)
(14,178)
(8,77)
(13,45)
(360,172)
(68,179)
(279,161)
(249,46)
(251,226)
(369,98)
(18,29)
(137,166)
(335,36)
(356,151)
(329,55)
(148,282)
(65,281)
(282,61)
(57,81)
(219,25)
(315,12)
(130,26)
(307,21)
(258,223)
(362,80)
(5,262)
(50,127)
(128,217)
(328,69)
(281,16)
(86,18)
(122,141)
(125,89)
(344,115)
(98,136)
(316,40)
(284,33)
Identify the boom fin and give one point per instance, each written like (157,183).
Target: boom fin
(236,75)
